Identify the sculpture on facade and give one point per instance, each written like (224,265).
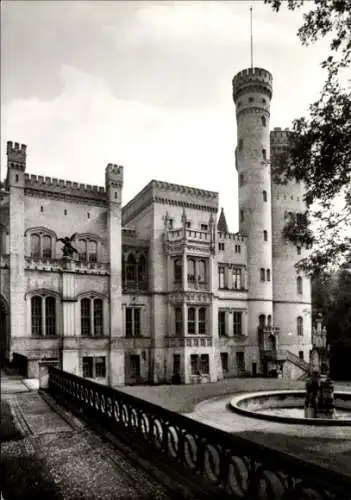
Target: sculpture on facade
(68,249)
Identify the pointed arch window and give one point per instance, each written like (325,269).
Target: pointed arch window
(261,321)
(50,316)
(142,272)
(35,246)
(47,247)
(37,316)
(43,316)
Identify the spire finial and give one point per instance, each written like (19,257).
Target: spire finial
(251,38)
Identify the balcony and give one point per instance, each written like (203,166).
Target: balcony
(59,265)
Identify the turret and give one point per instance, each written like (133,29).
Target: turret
(252,93)
(16,163)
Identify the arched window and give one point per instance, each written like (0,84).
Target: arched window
(299,326)
(178,271)
(202,320)
(263,121)
(269,320)
(50,316)
(85,317)
(43,316)
(130,269)
(98,317)
(268,274)
(92,250)
(202,271)
(241,144)
(191,320)
(47,248)
(35,246)
(261,320)
(142,272)
(87,250)
(91,317)
(37,316)
(191,270)
(299,285)
(262,274)
(264,155)
(265,235)
(264,195)
(82,250)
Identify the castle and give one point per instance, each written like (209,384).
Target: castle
(159,290)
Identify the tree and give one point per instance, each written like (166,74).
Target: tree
(319,153)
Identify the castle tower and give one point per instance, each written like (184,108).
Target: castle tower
(16,166)
(114,185)
(252,93)
(291,290)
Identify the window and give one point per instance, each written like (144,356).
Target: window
(50,316)
(191,320)
(36,316)
(242,216)
(88,215)
(268,275)
(202,321)
(94,367)
(142,272)
(265,235)
(177,266)
(263,121)
(299,326)
(202,271)
(221,276)
(204,363)
(65,212)
(178,321)
(221,247)
(241,144)
(194,364)
(170,224)
(221,324)
(224,361)
(241,179)
(98,317)
(88,367)
(301,355)
(91,317)
(299,285)
(236,278)
(46,242)
(237,323)
(204,227)
(261,321)
(188,224)
(131,268)
(191,270)
(264,193)
(42,209)
(269,320)
(298,250)
(87,250)
(100,367)
(264,154)
(43,312)
(237,249)
(132,322)
(240,362)
(35,246)
(262,274)
(85,317)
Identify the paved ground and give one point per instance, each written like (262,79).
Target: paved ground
(328,446)
(70,461)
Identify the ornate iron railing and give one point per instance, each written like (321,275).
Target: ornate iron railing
(226,465)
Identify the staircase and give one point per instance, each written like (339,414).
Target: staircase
(300,363)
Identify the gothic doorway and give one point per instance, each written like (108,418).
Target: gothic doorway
(4,331)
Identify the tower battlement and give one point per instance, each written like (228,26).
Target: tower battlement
(280,137)
(250,78)
(114,174)
(16,154)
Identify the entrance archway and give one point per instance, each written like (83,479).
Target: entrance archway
(4,331)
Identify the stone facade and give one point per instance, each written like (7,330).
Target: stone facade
(156,291)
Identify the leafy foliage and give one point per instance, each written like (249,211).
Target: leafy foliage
(297,230)
(319,153)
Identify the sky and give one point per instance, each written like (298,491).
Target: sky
(147,85)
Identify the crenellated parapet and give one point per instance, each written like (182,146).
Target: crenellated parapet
(16,155)
(114,175)
(237,237)
(252,79)
(51,187)
(280,138)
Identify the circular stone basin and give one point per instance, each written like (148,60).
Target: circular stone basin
(288,407)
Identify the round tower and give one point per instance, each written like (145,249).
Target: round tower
(291,290)
(252,93)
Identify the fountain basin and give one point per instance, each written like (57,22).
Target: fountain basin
(288,407)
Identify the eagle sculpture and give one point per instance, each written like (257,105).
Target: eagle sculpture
(68,249)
